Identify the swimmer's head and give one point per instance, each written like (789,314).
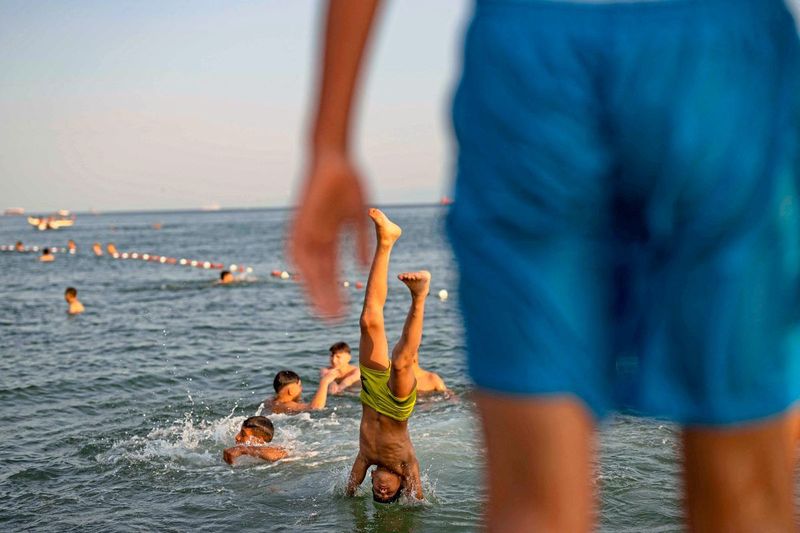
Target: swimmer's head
(340,354)
(385,485)
(71,244)
(255,430)
(225,276)
(71,294)
(46,251)
(288,382)
(19,246)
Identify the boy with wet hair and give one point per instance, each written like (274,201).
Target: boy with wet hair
(340,361)
(251,440)
(289,391)
(226,277)
(71,297)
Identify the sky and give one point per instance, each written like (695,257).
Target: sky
(181,104)
(130,105)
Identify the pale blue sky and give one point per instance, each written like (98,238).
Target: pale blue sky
(130,104)
(179,104)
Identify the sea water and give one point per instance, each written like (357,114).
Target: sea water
(115,420)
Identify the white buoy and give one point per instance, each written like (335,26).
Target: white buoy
(346,284)
(163,260)
(124,255)
(115,255)
(183,261)
(134,255)
(206,265)
(146,257)
(234,268)
(249,270)
(193,262)
(443,294)
(284,275)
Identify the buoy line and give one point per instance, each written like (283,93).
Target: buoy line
(113,253)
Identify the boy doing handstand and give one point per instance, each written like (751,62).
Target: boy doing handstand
(388,387)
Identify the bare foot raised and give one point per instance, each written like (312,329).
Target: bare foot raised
(386,230)
(417,282)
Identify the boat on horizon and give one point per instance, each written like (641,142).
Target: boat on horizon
(51,222)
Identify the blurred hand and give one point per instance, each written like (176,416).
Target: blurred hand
(332,201)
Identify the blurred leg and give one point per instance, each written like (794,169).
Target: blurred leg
(741,479)
(539,463)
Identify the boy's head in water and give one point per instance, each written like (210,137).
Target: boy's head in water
(288,386)
(385,485)
(46,255)
(71,297)
(19,246)
(255,431)
(225,277)
(340,355)
(252,439)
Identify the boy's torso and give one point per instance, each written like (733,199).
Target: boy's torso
(385,441)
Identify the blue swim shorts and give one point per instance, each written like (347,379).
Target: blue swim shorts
(626,218)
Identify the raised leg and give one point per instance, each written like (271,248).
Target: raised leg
(373,349)
(539,463)
(404,354)
(741,479)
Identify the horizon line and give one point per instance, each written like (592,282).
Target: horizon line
(96,212)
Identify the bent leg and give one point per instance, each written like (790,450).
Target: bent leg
(539,463)
(740,479)
(404,354)
(373,351)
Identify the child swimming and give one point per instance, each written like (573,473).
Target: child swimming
(349,375)
(289,391)
(97,248)
(225,277)
(47,256)
(71,297)
(251,440)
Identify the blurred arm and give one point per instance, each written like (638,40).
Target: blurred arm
(347,28)
(332,197)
